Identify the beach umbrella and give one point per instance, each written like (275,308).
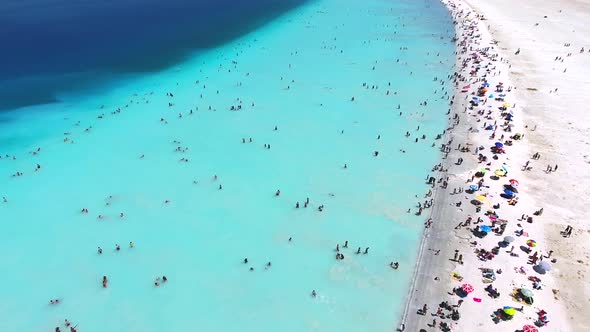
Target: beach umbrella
(508,192)
(492,217)
(485,229)
(531,243)
(499,144)
(508,239)
(481,198)
(486,84)
(526,292)
(492,95)
(509,311)
(506,105)
(467,288)
(529,328)
(513,182)
(483,170)
(473,187)
(502,95)
(505,168)
(500,172)
(475,99)
(545,266)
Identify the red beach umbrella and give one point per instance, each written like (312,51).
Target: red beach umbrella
(514,182)
(529,328)
(467,288)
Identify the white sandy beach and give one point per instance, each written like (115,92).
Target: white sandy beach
(553,125)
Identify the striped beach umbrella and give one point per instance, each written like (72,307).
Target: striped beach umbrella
(529,328)
(467,288)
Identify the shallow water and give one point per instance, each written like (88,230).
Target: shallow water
(328,48)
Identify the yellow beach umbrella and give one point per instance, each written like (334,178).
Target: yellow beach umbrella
(500,172)
(509,311)
(481,198)
(506,105)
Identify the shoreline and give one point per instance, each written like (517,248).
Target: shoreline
(432,283)
(424,267)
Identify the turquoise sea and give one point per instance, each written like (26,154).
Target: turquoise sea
(119,148)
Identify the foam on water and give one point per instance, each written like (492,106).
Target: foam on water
(328,49)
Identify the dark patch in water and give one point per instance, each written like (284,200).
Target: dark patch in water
(45,41)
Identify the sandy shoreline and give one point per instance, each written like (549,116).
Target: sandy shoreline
(432,283)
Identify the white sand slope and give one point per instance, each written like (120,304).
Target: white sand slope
(562,124)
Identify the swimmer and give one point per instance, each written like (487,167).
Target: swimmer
(131,245)
(99,250)
(313,293)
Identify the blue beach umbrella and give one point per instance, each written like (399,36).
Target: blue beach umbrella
(492,95)
(474,187)
(475,98)
(485,229)
(505,168)
(499,144)
(509,192)
(486,84)
(502,95)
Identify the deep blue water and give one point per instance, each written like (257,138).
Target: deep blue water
(50,46)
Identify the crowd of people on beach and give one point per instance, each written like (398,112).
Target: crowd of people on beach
(488,193)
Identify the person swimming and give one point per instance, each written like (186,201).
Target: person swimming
(104,281)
